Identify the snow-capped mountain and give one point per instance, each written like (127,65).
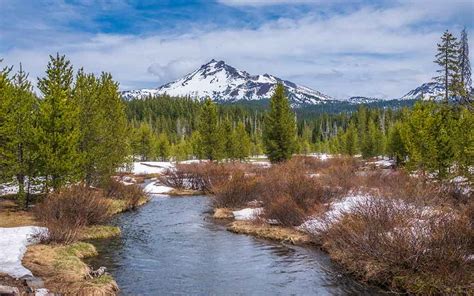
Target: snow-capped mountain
(427,91)
(224,83)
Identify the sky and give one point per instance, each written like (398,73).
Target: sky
(341,48)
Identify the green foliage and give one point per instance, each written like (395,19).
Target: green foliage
(211,135)
(59,134)
(279,134)
(395,145)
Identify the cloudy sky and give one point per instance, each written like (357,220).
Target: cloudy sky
(341,48)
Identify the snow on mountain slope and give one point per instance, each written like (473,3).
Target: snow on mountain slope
(224,83)
(426,91)
(362,100)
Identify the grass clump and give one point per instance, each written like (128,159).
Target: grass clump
(63,271)
(99,232)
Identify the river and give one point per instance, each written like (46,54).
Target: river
(171,246)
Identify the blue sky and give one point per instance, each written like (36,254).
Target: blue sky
(341,48)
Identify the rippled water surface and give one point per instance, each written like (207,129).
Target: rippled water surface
(171,247)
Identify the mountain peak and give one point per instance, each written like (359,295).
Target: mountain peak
(224,83)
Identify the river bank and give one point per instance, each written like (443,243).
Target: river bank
(59,267)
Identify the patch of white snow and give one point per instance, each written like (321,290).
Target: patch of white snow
(13,243)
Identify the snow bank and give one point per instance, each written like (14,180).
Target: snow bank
(383,163)
(151,167)
(335,212)
(154,188)
(247,213)
(321,156)
(13,242)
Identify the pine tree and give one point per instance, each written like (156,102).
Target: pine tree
(395,146)
(447,59)
(86,97)
(230,141)
(163,147)
(279,134)
(211,138)
(115,147)
(143,142)
(22,119)
(6,89)
(464,143)
(442,130)
(58,129)
(242,142)
(465,69)
(350,140)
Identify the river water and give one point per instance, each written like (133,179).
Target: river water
(171,246)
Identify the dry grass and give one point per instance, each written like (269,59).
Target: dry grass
(64,272)
(283,234)
(98,232)
(223,213)
(11,215)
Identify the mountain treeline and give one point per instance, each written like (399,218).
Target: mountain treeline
(76,130)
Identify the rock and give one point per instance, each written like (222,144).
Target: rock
(9,291)
(32,282)
(98,272)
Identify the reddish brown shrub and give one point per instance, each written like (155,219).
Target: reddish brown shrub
(285,210)
(131,194)
(342,174)
(289,183)
(207,176)
(236,192)
(65,212)
(404,247)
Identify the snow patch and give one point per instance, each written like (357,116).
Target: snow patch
(247,213)
(13,243)
(154,188)
(336,211)
(151,167)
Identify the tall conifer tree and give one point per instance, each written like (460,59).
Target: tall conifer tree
(465,69)
(447,59)
(59,132)
(279,133)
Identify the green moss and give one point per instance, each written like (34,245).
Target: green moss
(80,250)
(103,279)
(100,232)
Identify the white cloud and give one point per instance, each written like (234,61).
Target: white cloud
(369,52)
(266,2)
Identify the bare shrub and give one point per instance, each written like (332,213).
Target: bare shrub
(131,194)
(64,213)
(341,174)
(400,185)
(404,247)
(285,210)
(207,176)
(176,178)
(236,192)
(289,183)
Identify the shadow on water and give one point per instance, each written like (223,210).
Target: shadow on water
(170,247)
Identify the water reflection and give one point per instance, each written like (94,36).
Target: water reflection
(170,247)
